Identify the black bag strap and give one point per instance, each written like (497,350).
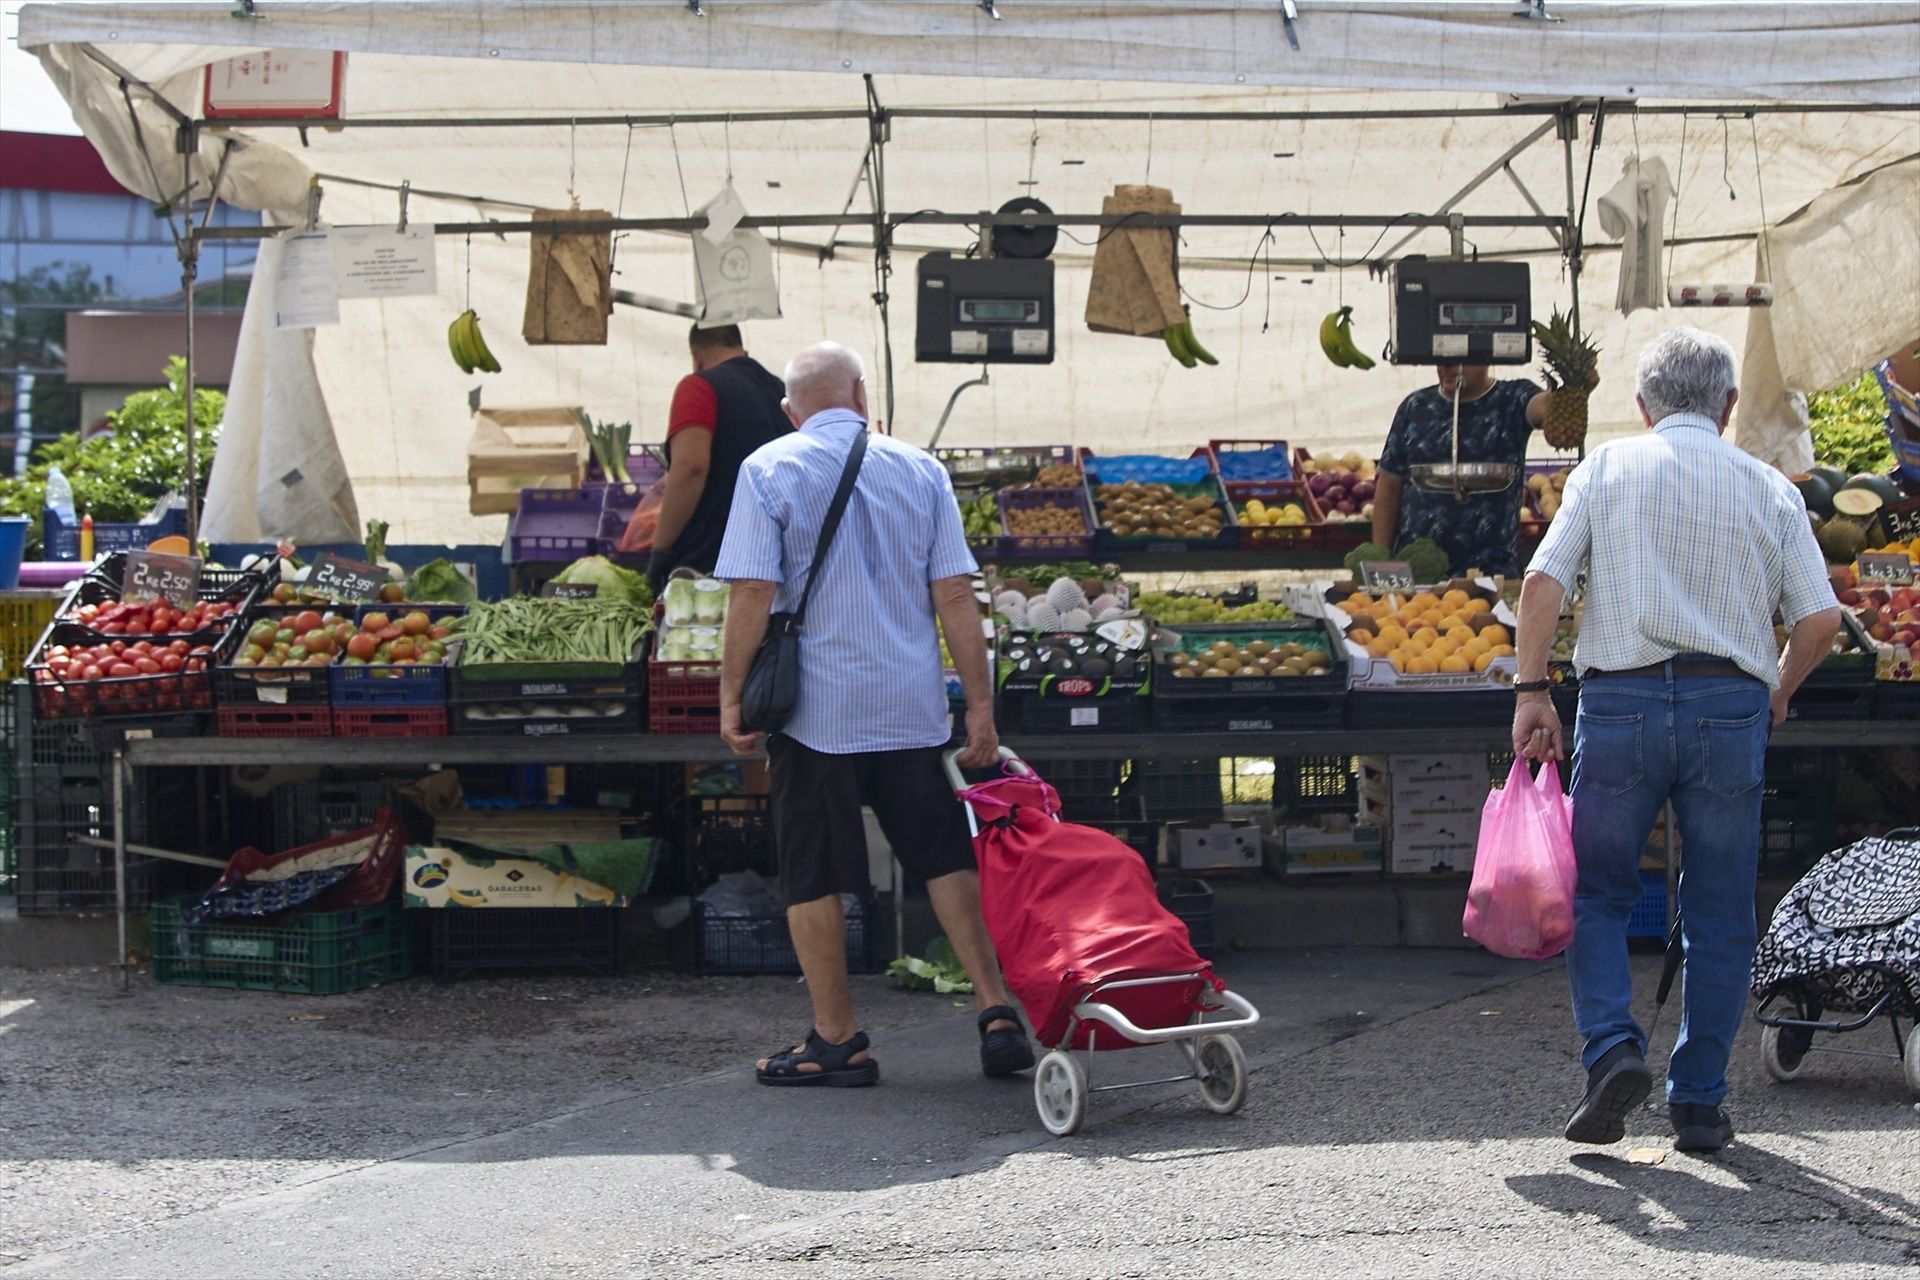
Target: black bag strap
(848,474)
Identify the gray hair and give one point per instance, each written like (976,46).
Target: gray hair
(824,376)
(1686,370)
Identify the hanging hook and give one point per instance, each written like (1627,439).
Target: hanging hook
(406,185)
(1726,158)
(726,130)
(1149,177)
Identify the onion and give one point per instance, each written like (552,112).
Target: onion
(1335,494)
(1363,490)
(1320,483)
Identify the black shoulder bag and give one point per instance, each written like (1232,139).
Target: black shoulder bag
(772,687)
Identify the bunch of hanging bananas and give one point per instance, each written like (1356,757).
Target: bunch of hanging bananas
(1185,347)
(469,348)
(1336,341)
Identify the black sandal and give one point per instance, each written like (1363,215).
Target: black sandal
(837,1070)
(1005,1051)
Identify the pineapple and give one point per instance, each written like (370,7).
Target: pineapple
(1571,374)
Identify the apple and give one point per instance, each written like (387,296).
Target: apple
(1881,631)
(1850,598)
(1908,636)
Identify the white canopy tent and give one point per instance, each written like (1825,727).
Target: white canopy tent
(645,108)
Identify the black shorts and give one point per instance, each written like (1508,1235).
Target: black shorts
(818,830)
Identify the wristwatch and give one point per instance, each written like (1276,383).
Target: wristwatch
(1532,686)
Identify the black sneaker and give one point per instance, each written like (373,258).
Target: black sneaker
(1617,1084)
(1699,1127)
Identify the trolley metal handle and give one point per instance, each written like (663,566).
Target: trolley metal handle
(951,760)
(1098,1011)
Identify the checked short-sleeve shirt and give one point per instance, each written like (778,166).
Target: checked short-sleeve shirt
(1689,546)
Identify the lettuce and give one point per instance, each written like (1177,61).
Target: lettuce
(439,582)
(614,582)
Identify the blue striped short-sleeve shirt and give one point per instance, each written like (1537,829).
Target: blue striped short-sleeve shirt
(870,671)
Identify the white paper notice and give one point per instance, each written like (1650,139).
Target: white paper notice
(383,262)
(303,291)
(723,212)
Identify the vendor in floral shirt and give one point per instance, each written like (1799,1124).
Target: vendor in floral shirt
(1478,531)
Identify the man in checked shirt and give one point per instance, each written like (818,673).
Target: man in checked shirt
(1689,547)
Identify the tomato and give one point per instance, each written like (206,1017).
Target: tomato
(375,622)
(146,666)
(362,647)
(415,624)
(196,664)
(112,629)
(318,640)
(389,634)
(402,651)
(285,635)
(121,670)
(305,621)
(144,648)
(320,660)
(171,662)
(182,648)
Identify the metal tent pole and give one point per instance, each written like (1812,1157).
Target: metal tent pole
(120,859)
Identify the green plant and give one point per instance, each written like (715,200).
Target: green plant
(119,474)
(1849,427)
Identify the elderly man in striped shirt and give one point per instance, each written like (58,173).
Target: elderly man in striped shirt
(871,718)
(1690,548)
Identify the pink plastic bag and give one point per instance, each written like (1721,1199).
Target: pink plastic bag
(1520,903)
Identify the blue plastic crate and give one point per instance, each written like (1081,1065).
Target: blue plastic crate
(379,686)
(1649,917)
(63,539)
(1147,468)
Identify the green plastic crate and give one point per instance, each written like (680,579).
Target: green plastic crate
(315,954)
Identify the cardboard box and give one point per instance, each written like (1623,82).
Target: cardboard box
(1368,672)
(1205,845)
(1421,845)
(1311,851)
(440,877)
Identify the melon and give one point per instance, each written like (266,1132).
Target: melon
(1860,503)
(1841,541)
(1884,486)
(1834,476)
(1816,492)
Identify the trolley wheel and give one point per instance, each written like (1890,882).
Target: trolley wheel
(1060,1092)
(1911,1061)
(1783,1051)
(1223,1086)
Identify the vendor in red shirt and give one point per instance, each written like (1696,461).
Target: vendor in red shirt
(722,411)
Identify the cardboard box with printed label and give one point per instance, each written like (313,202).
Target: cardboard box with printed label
(1304,851)
(1418,845)
(440,877)
(1202,846)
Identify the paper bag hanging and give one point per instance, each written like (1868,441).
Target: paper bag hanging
(734,266)
(569,283)
(1136,274)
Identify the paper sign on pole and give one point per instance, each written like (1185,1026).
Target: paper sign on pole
(304,295)
(736,271)
(383,262)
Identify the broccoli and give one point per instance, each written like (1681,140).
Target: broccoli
(1428,562)
(1365,553)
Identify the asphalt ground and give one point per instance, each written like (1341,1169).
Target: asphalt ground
(1403,1119)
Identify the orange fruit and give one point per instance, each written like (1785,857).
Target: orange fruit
(1453,664)
(1496,634)
(1379,649)
(1359,598)
(1399,661)
(1460,634)
(1393,633)
(1449,621)
(1501,651)
(1422,666)
(1427,635)
(1360,636)
(1482,660)
(1456,597)
(1425,600)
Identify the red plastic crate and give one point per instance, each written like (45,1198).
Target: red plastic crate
(683,697)
(275,722)
(1276,493)
(389,722)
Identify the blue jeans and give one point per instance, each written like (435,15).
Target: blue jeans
(1640,741)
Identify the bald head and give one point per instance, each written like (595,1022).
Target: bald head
(825,376)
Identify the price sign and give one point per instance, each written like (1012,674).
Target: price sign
(346,579)
(1902,520)
(150,575)
(1386,575)
(569,590)
(1889,568)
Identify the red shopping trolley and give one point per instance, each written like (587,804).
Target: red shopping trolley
(1091,954)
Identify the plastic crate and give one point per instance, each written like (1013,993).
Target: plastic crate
(1430,710)
(1649,916)
(389,722)
(119,699)
(530,690)
(1251,459)
(992,468)
(1138,834)
(274,722)
(101,586)
(63,539)
(50,742)
(619,502)
(1088,789)
(725,834)
(1124,713)
(1896,699)
(1106,542)
(762,944)
(1317,782)
(1248,713)
(320,953)
(467,940)
(24,615)
(309,812)
(555,524)
(1059,546)
(387,684)
(1191,902)
(1275,493)
(683,697)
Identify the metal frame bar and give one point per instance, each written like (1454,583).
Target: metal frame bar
(1480,179)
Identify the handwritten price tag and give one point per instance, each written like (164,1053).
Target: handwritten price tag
(346,579)
(150,575)
(1902,520)
(1386,575)
(1888,567)
(569,590)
